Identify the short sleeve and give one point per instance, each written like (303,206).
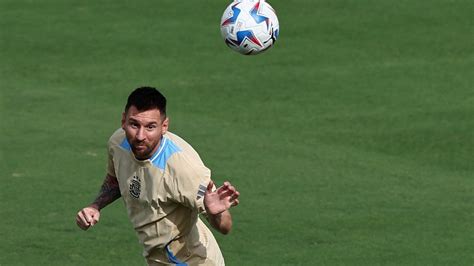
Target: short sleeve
(187,182)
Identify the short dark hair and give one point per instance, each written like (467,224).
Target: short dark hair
(147,98)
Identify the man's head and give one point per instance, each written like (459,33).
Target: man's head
(144,121)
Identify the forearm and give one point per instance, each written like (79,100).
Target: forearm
(108,193)
(221,222)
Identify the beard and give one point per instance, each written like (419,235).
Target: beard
(142,151)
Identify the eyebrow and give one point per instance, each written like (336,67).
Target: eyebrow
(146,124)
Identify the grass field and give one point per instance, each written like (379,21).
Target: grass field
(351,141)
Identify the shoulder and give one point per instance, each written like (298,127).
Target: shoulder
(186,150)
(177,140)
(181,155)
(117,139)
(117,136)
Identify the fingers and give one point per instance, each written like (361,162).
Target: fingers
(226,186)
(234,197)
(210,186)
(87,217)
(81,221)
(229,194)
(226,190)
(94,220)
(235,203)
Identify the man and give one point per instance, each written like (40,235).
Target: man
(165,186)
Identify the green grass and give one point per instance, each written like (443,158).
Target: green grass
(351,141)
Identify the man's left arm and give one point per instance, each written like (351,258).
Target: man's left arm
(190,185)
(217,204)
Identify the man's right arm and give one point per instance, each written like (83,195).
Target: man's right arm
(109,192)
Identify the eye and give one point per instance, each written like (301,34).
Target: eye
(151,127)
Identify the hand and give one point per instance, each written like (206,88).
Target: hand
(87,217)
(220,200)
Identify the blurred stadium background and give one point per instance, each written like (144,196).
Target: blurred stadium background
(351,140)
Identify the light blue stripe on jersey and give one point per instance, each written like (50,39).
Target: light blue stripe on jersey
(161,156)
(125,145)
(172,258)
(165,151)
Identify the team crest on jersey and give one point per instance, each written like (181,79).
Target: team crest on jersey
(135,187)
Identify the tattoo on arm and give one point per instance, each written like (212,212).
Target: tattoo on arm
(108,193)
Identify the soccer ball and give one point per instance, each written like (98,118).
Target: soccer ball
(249,26)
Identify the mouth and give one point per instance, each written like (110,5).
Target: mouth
(139,147)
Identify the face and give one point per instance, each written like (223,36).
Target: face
(144,131)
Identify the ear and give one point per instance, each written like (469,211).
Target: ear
(164,126)
(123,120)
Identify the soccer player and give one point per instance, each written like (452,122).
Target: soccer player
(165,186)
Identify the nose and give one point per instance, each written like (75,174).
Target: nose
(140,134)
